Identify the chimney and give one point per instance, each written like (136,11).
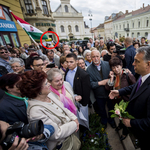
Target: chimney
(143,5)
(126,11)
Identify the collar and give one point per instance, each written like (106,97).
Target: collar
(145,77)
(19,98)
(5,60)
(74,70)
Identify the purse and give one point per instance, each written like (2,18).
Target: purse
(71,143)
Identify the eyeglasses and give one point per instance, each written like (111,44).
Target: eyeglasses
(39,65)
(4,52)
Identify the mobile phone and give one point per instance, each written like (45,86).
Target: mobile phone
(52,65)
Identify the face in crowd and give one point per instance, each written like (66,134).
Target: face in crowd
(81,64)
(38,65)
(72,63)
(4,54)
(95,56)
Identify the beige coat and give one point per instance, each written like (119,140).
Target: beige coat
(51,116)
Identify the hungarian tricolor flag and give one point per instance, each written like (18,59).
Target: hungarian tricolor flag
(32,31)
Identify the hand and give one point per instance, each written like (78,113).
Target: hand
(126,122)
(103,82)
(111,74)
(35,138)
(22,145)
(76,121)
(128,71)
(78,98)
(113,94)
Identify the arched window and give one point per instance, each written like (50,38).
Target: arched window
(50,29)
(29,7)
(77,28)
(147,23)
(138,34)
(133,35)
(69,28)
(62,28)
(66,8)
(44,5)
(139,24)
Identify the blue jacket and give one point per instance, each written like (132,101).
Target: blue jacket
(129,57)
(95,77)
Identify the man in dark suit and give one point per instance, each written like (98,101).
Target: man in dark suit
(129,54)
(139,105)
(80,82)
(79,79)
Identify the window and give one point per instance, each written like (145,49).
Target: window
(139,24)
(66,8)
(146,34)
(29,7)
(127,25)
(127,34)
(133,25)
(147,23)
(123,25)
(138,34)
(69,28)
(77,28)
(62,28)
(45,10)
(120,26)
(132,35)
(14,39)
(116,27)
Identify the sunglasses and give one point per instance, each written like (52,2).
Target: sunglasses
(4,52)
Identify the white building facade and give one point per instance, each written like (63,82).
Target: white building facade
(69,22)
(135,24)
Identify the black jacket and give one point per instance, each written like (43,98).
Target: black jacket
(12,110)
(139,107)
(81,85)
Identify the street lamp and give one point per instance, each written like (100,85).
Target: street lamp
(90,18)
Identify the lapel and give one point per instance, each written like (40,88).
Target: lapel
(142,88)
(76,77)
(66,74)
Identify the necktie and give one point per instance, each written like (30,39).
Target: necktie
(139,83)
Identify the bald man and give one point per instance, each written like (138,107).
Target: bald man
(99,72)
(129,54)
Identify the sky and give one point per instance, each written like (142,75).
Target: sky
(101,8)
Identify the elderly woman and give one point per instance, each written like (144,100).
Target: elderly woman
(119,78)
(61,90)
(45,106)
(87,57)
(17,64)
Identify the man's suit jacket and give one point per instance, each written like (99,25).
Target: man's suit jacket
(81,85)
(139,107)
(52,116)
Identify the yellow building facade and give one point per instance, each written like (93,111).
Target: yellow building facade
(8,36)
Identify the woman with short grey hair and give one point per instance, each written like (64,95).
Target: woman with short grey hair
(17,64)
(87,57)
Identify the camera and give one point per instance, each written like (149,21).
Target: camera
(120,50)
(51,65)
(32,129)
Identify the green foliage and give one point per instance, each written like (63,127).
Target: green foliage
(96,137)
(122,39)
(120,111)
(86,38)
(73,39)
(63,40)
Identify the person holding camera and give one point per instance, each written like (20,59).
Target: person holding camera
(43,105)
(16,145)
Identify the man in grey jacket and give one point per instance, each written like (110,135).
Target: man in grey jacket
(99,72)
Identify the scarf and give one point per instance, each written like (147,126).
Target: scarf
(88,60)
(117,82)
(65,100)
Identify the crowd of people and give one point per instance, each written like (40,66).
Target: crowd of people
(56,85)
